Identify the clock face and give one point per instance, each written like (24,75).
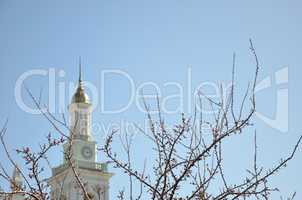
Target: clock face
(87,152)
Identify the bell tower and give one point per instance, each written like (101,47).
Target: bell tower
(84,155)
(80,110)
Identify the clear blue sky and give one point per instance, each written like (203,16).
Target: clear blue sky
(155,41)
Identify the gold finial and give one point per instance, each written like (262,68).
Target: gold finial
(80,96)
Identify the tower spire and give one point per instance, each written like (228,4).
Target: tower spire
(17,179)
(80,70)
(80,96)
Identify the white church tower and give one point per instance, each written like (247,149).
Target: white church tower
(84,153)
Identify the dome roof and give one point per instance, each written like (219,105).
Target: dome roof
(80,96)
